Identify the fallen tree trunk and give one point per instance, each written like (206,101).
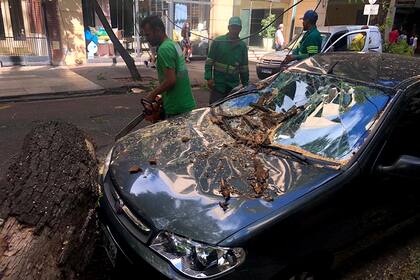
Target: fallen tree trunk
(48,224)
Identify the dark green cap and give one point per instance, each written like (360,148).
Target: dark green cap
(235,21)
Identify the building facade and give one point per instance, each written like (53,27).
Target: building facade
(36,32)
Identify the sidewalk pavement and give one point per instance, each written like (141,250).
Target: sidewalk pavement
(23,83)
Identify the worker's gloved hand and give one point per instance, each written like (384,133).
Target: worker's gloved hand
(287,59)
(210,84)
(152,109)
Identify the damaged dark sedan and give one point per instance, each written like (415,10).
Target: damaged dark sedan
(275,180)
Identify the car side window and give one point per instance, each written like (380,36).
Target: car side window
(401,140)
(354,41)
(333,38)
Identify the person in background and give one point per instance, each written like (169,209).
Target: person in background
(358,42)
(414,43)
(174,83)
(403,37)
(227,62)
(186,42)
(279,38)
(311,40)
(393,35)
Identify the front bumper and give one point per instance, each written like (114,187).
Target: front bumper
(137,252)
(267,70)
(128,245)
(134,250)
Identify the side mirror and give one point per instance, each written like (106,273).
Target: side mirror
(405,166)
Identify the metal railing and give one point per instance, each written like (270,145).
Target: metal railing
(28,46)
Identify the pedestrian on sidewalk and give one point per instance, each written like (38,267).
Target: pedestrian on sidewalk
(403,37)
(413,42)
(279,38)
(186,42)
(393,35)
(174,83)
(227,62)
(311,40)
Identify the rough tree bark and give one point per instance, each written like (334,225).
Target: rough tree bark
(48,224)
(129,61)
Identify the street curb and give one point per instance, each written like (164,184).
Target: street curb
(74,94)
(67,94)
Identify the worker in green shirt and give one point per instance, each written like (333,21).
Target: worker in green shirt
(227,62)
(174,83)
(311,40)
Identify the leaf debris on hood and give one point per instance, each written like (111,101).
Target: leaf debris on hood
(224,205)
(224,189)
(185,139)
(260,180)
(135,169)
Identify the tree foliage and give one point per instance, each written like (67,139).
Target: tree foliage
(266,23)
(401,47)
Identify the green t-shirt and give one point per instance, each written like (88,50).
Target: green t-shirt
(178,99)
(309,45)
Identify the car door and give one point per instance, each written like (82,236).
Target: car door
(356,40)
(396,172)
(375,41)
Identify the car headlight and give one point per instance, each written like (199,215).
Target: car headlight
(107,162)
(195,259)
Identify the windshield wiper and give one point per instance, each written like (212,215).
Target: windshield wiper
(331,68)
(293,154)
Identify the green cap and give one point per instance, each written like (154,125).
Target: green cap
(235,21)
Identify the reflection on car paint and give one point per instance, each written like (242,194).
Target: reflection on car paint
(210,155)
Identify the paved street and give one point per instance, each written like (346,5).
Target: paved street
(101,117)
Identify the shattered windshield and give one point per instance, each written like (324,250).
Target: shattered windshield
(318,116)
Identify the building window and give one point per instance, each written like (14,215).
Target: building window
(2,34)
(36,17)
(16,16)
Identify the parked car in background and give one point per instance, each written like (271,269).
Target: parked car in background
(275,180)
(334,38)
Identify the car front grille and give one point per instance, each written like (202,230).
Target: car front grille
(272,62)
(135,225)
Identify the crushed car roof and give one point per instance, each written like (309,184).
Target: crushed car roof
(387,70)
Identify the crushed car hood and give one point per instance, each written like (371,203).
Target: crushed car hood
(179,169)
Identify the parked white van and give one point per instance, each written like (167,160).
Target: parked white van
(334,38)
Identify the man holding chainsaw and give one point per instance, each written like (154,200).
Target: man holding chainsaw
(174,83)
